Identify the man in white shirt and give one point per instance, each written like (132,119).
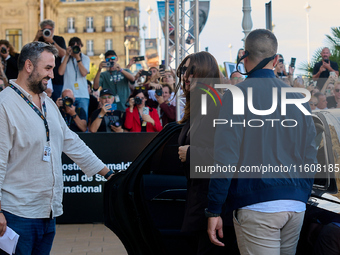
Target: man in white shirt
(75,66)
(33,136)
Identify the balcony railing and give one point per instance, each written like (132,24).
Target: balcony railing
(68,30)
(89,30)
(107,29)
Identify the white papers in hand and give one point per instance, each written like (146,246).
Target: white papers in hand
(8,242)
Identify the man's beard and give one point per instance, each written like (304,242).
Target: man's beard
(36,86)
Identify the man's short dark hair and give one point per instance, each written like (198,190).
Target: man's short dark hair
(75,40)
(110,53)
(32,51)
(318,94)
(260,44)
(168,86)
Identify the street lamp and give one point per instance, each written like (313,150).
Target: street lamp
(144,27)
(230,46)
(307,8)
(126,44)
(149,10)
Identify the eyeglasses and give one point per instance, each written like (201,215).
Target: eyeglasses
(312,103)
(111,58)
(106,97)
(140,88)
(337,90)
(185,68)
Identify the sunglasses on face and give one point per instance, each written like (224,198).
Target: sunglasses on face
(106,97)
(337,90)
(185,68)
(109,59)
(312,103)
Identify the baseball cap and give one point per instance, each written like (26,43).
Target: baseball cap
(105,92)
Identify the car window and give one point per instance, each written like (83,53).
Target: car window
(333,120)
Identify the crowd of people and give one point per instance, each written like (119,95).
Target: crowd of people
(146,102)
(152,91)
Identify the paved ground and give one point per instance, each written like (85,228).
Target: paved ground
(86,239)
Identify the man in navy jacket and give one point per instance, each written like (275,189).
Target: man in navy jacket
(265,188)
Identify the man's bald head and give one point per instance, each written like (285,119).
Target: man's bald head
(260,44)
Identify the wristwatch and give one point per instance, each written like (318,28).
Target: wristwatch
(100,117)
(74,116)
(210,214)
(108,174)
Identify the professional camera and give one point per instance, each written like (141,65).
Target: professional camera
(75,49)
(67,101)
(3,50)
(115,123)
(47,32)
(138,101)
(159,92)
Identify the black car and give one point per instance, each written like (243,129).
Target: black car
(144,205)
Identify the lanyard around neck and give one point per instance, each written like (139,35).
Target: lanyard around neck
(35,109)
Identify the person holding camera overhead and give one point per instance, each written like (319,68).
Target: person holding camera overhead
(9,59)
(108,118)
(141,118)
(75,66)
(46,34)
(116,79)
(74,117)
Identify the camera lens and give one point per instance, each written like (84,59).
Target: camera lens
(138,101)
(67,101)
(47,33)
(159,92)
(75,49)
(3,50)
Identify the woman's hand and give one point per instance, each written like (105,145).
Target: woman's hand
(182,152)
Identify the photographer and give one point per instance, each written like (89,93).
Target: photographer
(167,111)
(116,79)
(75,66)
(74,117)
(280,71)
(9,59)
(107,119)
(46,34)
(140,118)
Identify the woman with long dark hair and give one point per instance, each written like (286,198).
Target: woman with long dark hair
(9,59)
(139,117)
(198,73)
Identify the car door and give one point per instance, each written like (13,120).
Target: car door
(323,207)
(144,205)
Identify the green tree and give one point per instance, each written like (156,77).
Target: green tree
(222,69)
(333,42)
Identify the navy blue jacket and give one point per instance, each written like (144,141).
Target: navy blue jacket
(272,144)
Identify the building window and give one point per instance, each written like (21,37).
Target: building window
(70,25)
(89,25)
(108,23)
(131,20)
(89,47)
(14,36)
(108,44)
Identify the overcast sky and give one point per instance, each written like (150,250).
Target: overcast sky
(224,25)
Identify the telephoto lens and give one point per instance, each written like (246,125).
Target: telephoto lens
(67,101)
(47,32)
(3,50)
(75,49)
